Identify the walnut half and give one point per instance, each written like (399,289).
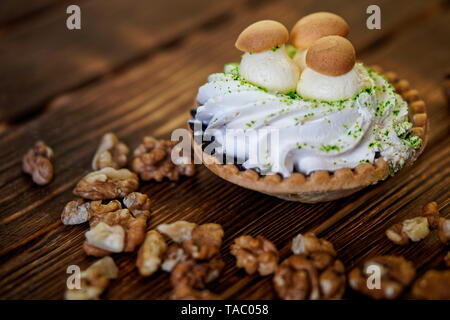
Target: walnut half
(152,161)
(110,153)
(255,254)
(107,183)
(312,272)
(37,163)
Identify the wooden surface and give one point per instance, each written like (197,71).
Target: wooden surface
(134,69)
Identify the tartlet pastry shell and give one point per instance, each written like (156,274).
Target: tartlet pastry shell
(322,186)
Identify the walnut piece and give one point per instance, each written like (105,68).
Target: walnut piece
(94,280)
(178,231)
(444,230)
(109,238)
(110,153)
(313,272)
(151,252)
(37,163)
(433,285)
(396,274)
(152,160)
(75,212)
(138,203)
(107,183)
(184,292)
(196,274)
(414,229)
(255,254)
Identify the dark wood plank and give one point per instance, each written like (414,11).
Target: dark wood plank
(13,10)
(42,58)
(153,98)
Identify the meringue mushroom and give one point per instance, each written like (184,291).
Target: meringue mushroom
(265,62)
(331,73)
(313,27)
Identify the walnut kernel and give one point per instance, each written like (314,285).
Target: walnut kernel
(37,163)
(152,160)
(255,254)
(107,183)
(110,153)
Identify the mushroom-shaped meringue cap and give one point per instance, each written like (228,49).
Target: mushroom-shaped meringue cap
(331,56)
(315,26)
(261,36)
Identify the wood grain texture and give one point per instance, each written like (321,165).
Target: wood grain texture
(153,97)
(54,59)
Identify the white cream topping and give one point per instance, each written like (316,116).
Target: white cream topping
(272,69)
(311,134)
(314,85)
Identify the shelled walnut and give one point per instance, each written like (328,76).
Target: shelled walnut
(199,242)
(433,285)
(94,280)
(110,153)
(107,183)
(396,274)
(255,254)
(37,163)
(152,160)
(312,272)
(151,252)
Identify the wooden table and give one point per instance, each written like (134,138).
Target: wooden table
(134,69)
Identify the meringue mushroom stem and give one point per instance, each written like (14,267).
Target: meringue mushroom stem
(265,62)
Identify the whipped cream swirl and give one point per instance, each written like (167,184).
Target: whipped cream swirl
(310,134)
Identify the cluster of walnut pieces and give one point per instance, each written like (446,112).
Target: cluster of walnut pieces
(37,163)
(396,275)
(110,153)
(312,272)
(418,228)
(112,229)
(193,259)
(94,280)
(152,161)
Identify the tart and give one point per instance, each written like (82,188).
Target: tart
(313,129)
